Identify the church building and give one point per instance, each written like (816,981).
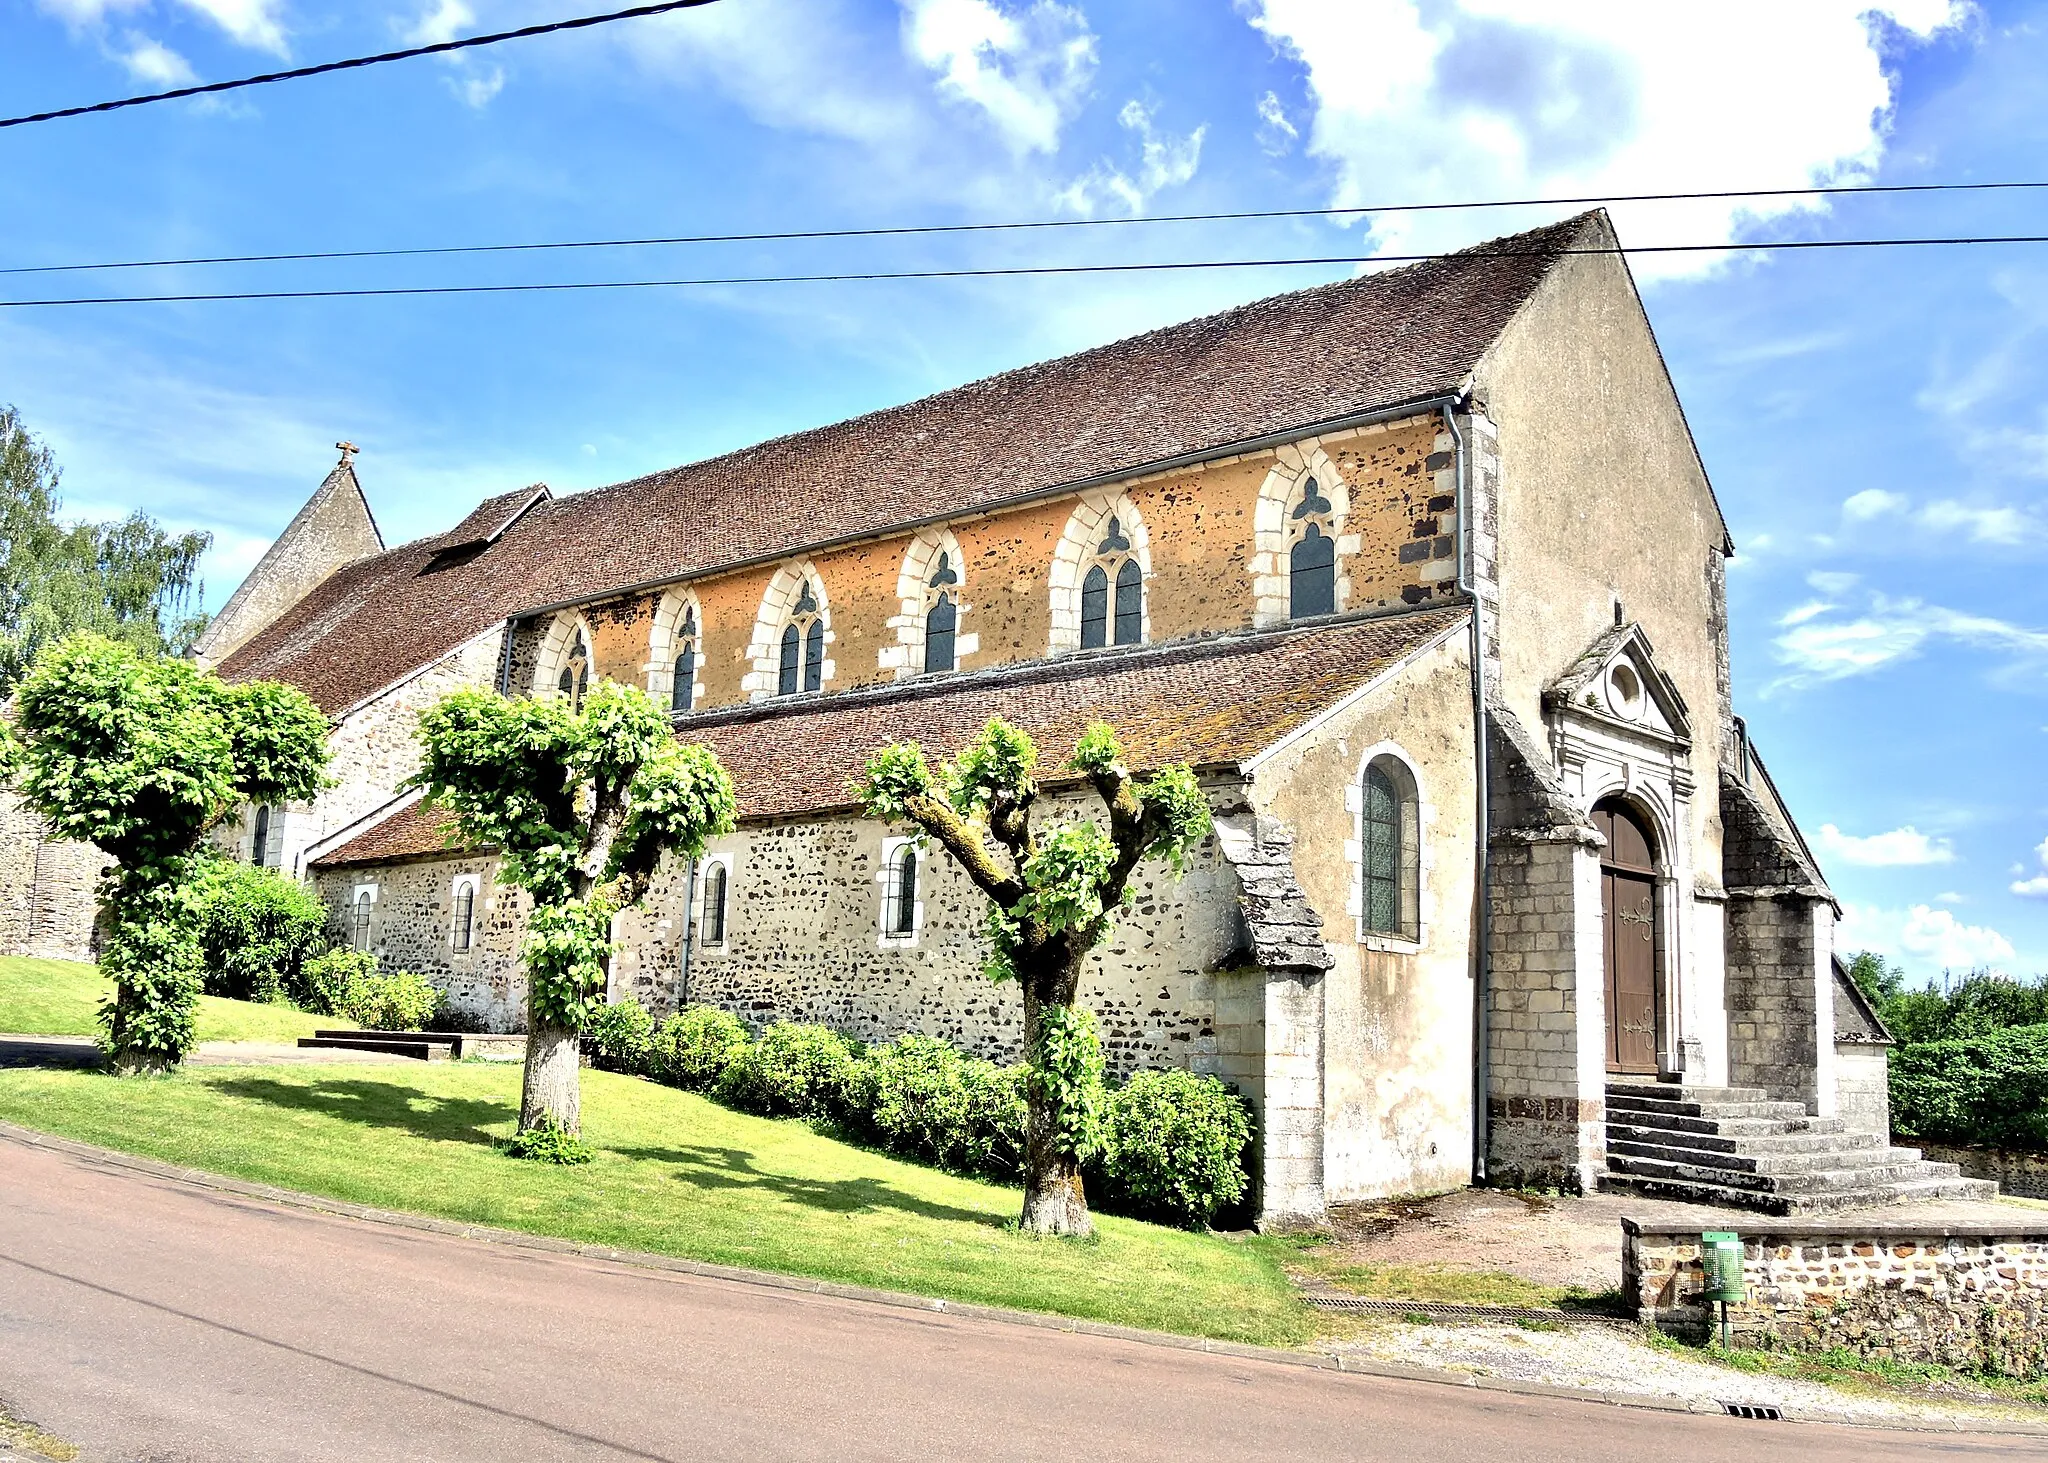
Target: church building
(1421,572)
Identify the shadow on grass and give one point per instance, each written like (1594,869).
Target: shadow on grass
(377,1104)
(734,1168)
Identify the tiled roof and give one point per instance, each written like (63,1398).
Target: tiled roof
(409,832)
(1271,366)
(1213,702)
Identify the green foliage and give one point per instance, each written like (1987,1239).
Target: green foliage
(1875,977)
(257,929)
(1174,1145)
(502,769)
(694,1047)
(547,1141)
(995,768)
(153,957)
(1099,753)
(565,950)
(619,1037)
(1065,1078)
(399,1001)
(681,797)
(894,777)
(1064,878)
(326,979)
(1174,800)
(920,1097)
(1990,1089)
(128,580)
(791,1071)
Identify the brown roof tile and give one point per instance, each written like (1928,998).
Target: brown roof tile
(1271,366)
(410,832)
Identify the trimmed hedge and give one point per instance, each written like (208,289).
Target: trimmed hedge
(1990,1089)
(346,983)
(1174,1144)
(257,930)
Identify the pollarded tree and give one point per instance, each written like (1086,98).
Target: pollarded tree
(142,755)
(581,804)
(1053,897)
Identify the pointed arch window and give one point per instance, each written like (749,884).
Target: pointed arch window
(259,839)
(942,618)
(1113,593)
(1312,560)
(573,683)
(1389,847)
(683,687)
(802,666)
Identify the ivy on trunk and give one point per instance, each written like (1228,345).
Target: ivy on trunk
(1053,897)
(581,805)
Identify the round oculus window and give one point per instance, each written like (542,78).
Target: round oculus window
(1625,692)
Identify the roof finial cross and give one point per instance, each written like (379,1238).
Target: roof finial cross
(347,450)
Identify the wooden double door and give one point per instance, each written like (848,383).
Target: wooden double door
(1630,916)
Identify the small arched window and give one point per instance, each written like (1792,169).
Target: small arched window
(259,839)
(1121,622)
(942,618)
(899,891)
(1390,851)
(463,929)
(1312,561)
(712,927)
(802,666)
(683,688)
(574,680)
(359,922)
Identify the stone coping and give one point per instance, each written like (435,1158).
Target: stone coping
(1764,1226)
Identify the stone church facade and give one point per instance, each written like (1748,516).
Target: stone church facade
(1421,572)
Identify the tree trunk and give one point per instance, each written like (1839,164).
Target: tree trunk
(553,1088)
(1054,1203)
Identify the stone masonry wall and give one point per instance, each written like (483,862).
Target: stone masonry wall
(1773,1025)
(2022,1175)
(411,928)
(48,889)
(1863,1099)
(1959,1295)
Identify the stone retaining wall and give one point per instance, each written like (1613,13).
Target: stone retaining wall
(2023,1175)
(1961,1294)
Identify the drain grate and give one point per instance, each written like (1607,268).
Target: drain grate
(1754,1411)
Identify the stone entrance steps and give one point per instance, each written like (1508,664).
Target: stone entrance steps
(1737,1146)
(425,1046)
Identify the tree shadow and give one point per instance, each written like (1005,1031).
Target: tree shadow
(377,1104)
(78,1053)
(734,1168)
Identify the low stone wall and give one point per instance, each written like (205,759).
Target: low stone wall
(2023,1175)
(1961,1294)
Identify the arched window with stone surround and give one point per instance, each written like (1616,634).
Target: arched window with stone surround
(899,891)
(1113,593)
(711,927)
(802,662)
(1312,558)
(572,681)
(941,617)
(259,837)
(360,910)
(682,693)
(1390,850)
(462,928)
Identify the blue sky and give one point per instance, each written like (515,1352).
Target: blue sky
(1876,422)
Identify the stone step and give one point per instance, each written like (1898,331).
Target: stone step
(1727,1127)
(354,1033)
(1913,1191)
(1805,1181)
(1823,1160)
(1705,1107)
(425,1051)
(1709,1141)
(1685,1092)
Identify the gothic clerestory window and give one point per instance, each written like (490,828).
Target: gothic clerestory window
(1312,559)
(803,646)
(942,618)
(683,688)
(1389,849)
(574,681)
(1117,620)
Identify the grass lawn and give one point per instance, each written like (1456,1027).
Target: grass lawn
(1440,1283)
(675,1174)
(62,998)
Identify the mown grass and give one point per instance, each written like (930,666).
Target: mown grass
(62,998)
(1445,1283)
(675,1174)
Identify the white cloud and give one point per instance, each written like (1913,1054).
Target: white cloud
(1821,649)
(1026,69)
(444,22)
(1985,525)
(474,81)
(2035,887)
(1872,503)
(1164,161)
(251,23)
(1900,848)
(154,63)
(1277,135)
(1926,939)
(1475,98)
(1801,614)
(1833,581)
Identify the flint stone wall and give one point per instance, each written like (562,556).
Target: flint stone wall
(412,928)
(1959,1295)
(2023,1175)
(48,889)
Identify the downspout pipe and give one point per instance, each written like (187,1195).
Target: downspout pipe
(689,926)
(1482,853)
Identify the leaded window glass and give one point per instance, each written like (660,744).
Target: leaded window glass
(1114,565)
(1312,562)
(359,924)
(899,892)
(1389,848)
(712,927)
(465,916)
(259,838)
(802,662)
(574,681)
(942,619)
(682,693)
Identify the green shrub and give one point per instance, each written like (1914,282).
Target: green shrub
(1174,1145)
(993,1142)
(352,988)
(792,1071)
(1989,1089)
(921,1098)
(328,977)
(1978,1005)
(620,1038)
(694,1047)
(548,1142)
(257,930)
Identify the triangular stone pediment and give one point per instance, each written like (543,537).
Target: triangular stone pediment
(1616,680)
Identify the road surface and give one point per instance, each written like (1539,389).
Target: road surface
(147,1319)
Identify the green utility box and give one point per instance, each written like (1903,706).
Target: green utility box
(1721,1265)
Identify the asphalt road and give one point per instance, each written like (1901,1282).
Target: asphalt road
(147,1319)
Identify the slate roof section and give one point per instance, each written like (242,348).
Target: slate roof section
(412,831)
(1277,365)
(1208,703)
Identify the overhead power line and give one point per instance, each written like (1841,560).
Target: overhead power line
(902,230)
(1010,270)
(439,48)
